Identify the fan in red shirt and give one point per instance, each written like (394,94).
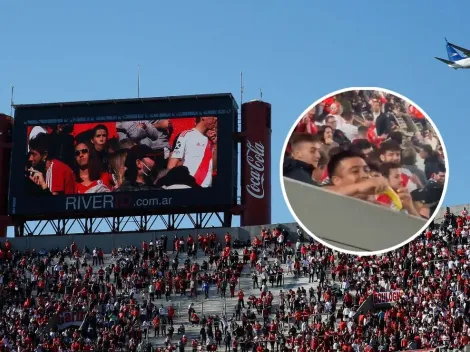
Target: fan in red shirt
(392,173)
(88,175)
(190,241)
(46,172)
(228,239)
(390,152)
(307,124)
(76,346)
(372,136)
(100,137)
(416,113)
(327,103)
(241,296)
(87,128)
(180,125)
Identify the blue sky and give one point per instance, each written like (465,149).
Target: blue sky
(295,51)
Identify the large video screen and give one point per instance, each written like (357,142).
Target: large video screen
(125,163)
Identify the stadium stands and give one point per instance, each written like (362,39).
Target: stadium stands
(414,298)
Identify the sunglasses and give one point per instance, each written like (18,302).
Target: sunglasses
(81,151)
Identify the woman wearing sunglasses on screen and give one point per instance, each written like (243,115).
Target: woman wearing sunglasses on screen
(88,175)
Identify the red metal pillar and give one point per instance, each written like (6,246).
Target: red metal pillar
(6,127)
(256,163)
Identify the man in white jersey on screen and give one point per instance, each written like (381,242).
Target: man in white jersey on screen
(196,150)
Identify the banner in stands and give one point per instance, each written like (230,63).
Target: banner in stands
(67,319)
(387,297)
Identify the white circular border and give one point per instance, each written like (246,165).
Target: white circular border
(341,250)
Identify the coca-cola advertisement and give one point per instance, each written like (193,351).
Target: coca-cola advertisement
(256,164)
(255,160)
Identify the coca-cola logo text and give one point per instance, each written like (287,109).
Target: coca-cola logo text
(255,161)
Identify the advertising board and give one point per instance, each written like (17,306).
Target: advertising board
(113,157)
(255,163)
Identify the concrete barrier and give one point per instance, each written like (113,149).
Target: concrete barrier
(349,223)
(110,241)
(455,209)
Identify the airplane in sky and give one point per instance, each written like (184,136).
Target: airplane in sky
(456,60)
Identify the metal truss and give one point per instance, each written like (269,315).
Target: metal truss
(123,224)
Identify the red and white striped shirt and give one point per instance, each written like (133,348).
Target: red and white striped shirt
(407,181)
(194,149)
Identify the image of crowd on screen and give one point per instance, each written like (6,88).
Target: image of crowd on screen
(121,156)
(373,146)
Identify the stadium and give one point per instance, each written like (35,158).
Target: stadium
(107,259)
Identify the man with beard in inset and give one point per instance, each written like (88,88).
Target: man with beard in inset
(142,167)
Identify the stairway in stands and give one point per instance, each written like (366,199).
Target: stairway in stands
(215,305)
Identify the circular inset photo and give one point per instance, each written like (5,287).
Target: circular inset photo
(364,170)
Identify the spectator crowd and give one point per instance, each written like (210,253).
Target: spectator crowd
(121,156)
(303,297)
(373,146)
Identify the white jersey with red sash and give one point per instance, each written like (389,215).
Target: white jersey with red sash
(407,181)
(194,149)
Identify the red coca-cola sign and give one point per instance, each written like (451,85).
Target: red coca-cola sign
(256,164)
(255,161)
